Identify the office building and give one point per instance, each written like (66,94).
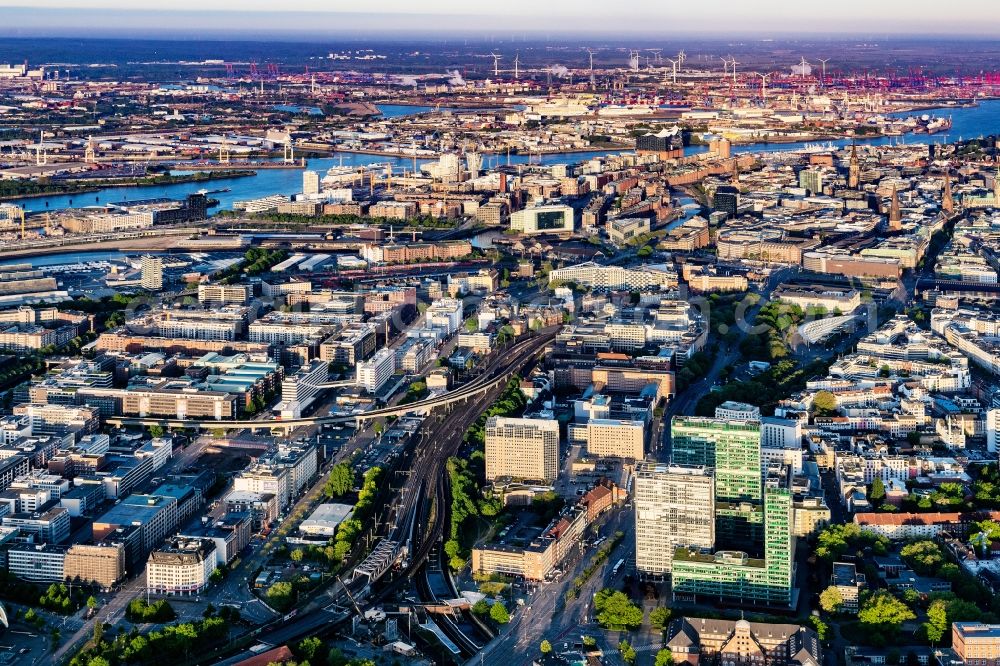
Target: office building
(695,640)
(152,273)
(37,562)
(526,449)
(299,390)
(264,478)
(151,518)
(976,643)
(736,576)
(616,438)
(674,506)
(49,524)
(730,448)
(849,584)
(726,200)
(731,410)
(553,219)
(231,534)
(181,567)
(99,564)
(376,371)
(609,278)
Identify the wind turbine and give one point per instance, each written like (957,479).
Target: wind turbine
(496,64)
(517,63)
(725,67)
(633,60)
(734,63)
(763,86)
(673,63)
(681,57)
(824,61)
(590,52)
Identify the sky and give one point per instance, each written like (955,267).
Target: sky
(667,17)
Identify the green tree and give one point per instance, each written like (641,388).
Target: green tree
(664,658)
(157,431)
(616,611)
(498,613)
(296,555)
(882,614)
(990,528)
(937,621)
(925,556)
(627,652)
(545,647)
(280,595)
(309,648)
(825,403)
(821,627)
(831,600)
(659,617)
(91,602)
(877,493)
(340,481)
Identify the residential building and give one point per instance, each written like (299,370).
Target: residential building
(849,584)
(218,295)
(152,273)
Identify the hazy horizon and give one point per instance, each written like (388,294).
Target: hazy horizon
(395,19)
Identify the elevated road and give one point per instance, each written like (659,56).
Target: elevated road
(484,383)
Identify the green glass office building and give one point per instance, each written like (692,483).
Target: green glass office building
(731,449)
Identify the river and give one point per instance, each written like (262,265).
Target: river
(967,122)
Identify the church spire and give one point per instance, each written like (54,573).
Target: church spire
(996,184)
(895,216)
(854,170)
(947,200)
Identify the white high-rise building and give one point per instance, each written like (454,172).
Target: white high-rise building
(992,422)
(152,273)
(674,506)
(310,183)
(525,449)
(377,370)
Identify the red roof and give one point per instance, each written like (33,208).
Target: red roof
(277,655)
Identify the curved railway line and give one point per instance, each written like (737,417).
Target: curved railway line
(482,384)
